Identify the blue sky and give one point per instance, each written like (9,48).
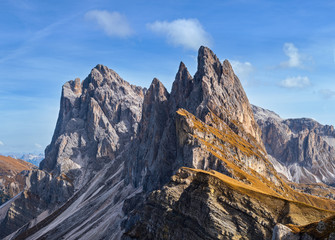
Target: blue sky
(283,52)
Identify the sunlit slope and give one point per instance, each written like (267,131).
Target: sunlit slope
(245,160)
(323,229)
(12,181)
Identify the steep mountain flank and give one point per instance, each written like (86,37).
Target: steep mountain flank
(12,177)
(148,164)
(214,88)
(190,207)
(97,119)
(302,150)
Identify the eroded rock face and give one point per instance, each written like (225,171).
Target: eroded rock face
(214,88)
(282,232)
(201,205)
(303,150)
(195,206)
(97,119)
(42,192)
(12,177)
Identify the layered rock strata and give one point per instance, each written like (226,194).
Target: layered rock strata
(302,150)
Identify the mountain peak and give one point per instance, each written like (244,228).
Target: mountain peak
(156,91)
(101,68)
(208,64)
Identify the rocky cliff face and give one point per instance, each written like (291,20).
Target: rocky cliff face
(323,229)
(208,205)
(302,150)
(214,89)
(137,164)
(97,119)
(12,177)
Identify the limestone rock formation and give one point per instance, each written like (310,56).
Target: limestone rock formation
(42,194)
(214,88)
(133,163)
(12,177)
(97,119)
(302,150)
(323,229)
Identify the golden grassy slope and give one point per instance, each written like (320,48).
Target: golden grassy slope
(281,209)
(11,181)
(252,172)
(319,229)
(11,165)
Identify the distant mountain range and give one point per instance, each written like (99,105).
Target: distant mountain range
(200,162)
(28,157)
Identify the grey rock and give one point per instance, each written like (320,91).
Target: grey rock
(214,88)
(302,150)
(97,119)
(42,192)
(281,232)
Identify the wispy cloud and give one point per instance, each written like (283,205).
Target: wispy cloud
(1,143)
(295,82)
(38,145)
(113,24)
(242,69)
(294,57)
(36,36)
(327,93)
(188,33)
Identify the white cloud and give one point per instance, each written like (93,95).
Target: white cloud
(295,82)
(187,33)
(327,93)
(113,24)
(1,143)
(242,69)
(38,145)
(294,57)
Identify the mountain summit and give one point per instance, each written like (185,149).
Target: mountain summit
(136,163)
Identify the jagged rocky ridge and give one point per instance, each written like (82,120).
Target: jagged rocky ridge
(97,119)
(118,156)
(302,150)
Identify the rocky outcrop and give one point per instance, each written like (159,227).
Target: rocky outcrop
(214,88)
(12,177)
(282,232)
(42,194)
(323,229)
(209,205)
(302,150)
(97,119)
